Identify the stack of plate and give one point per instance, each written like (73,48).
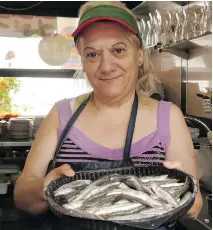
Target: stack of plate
(36,124)
(194,132)
(19,128)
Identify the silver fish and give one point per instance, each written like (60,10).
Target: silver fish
(99,189)
(85,192)
(140,196)
(143,214)
(104,201)
(116,192)
(73,205)
(134,183)
(164,195)
(138,185)
(185,198)
(110,179)
(123,201)
(152,211)
(95,198)
(123,186)
(64,192)
(170,185)
(71,198)
(78,184)
(85,214)
(119,209)
(182,190)
(153,178)
(162,182)
(172,190)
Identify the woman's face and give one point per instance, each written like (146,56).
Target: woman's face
(110,59)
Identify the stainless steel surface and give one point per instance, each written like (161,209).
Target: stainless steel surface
(204,162)
(148,6)
(198,121)
(13,143)
(199,77)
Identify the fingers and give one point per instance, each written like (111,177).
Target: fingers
(64,170)
(173,165)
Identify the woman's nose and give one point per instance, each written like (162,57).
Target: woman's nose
(107,63)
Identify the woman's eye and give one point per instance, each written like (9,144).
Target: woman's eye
(119,51)
(91,55)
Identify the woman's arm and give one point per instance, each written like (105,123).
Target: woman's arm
(181,149)
(29,188)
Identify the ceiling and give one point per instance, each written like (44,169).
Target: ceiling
(48,8)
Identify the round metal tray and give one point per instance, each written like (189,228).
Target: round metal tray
(93,175)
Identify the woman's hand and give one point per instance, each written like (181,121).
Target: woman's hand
(63,170)
(194,211)
(173,165)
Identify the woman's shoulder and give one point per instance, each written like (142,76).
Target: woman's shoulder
(148,103)
(72,102)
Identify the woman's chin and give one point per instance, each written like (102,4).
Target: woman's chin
(111,93)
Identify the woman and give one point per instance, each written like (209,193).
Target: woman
(111,49)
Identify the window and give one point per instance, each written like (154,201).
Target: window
(37,95)
(37,46)
(32,42)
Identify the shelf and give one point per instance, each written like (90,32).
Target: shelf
(146,7)
(16,143)
(182,49)
(13,159)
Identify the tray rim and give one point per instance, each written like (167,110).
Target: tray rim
(111,171)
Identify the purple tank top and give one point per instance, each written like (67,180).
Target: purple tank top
(77,147)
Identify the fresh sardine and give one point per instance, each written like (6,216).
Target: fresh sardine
(78,184)
(185,198)
(163,182)
(116,192)
(140,196)
(135,183)
(96,197)
(170,185)
(143,214)
(85,192)
(182,190)
(152,211)
(123,186)
(66,191)
(99,189)
(119,209)
(153,178)
(164,195)
(73,205)
(123,201)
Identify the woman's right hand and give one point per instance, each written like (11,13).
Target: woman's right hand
(63,170)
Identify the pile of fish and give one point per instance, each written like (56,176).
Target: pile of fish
(123,197)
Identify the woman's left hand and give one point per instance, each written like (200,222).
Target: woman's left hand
(173,165)
(192,213)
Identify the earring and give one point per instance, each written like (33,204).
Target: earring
(140,62)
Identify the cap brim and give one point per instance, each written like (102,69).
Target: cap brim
(85,24)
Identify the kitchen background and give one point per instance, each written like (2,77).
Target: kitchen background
(39,65)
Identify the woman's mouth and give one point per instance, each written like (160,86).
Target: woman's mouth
(109,79)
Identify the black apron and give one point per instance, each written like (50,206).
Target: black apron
(103,164)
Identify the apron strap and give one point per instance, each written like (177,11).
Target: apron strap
(130,131)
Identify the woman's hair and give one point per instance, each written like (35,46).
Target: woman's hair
(146,78)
